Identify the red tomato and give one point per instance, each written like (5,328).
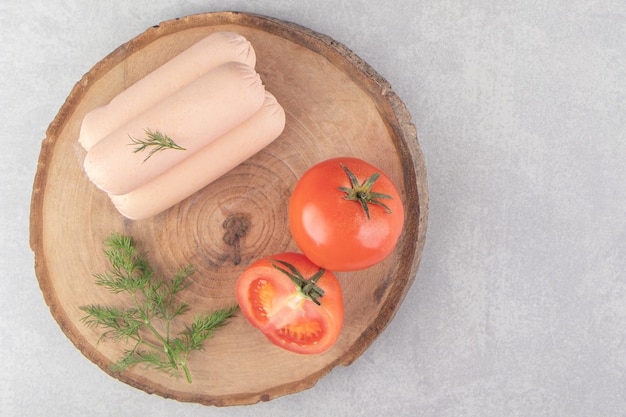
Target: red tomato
(345,214)
(296,304)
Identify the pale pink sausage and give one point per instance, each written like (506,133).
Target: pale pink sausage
(192,117)
(210,52)
(206,165)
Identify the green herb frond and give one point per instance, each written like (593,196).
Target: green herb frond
(204,327)
(156,141)
(119,324)
(149,359)
(155,306)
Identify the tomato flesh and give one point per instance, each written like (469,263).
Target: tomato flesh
(301,333)
(260,298)
(272,302)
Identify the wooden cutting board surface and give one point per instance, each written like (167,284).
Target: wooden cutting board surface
(336,105)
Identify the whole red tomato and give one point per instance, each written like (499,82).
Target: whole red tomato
(296,304)
(345,214)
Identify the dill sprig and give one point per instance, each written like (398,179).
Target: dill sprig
(156,140)
(155,306)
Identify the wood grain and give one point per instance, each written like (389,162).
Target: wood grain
(336,105)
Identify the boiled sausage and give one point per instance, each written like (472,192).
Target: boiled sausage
(206,165)
(210,52)
(192,117)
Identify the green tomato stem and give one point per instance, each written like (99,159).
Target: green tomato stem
(362,193)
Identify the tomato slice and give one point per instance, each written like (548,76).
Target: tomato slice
(296,305)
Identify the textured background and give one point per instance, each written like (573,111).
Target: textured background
(519,306)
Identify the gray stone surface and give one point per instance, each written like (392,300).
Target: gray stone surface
(519,307)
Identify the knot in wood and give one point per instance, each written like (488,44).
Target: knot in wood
(236,227)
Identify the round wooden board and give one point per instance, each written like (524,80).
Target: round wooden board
(335,104)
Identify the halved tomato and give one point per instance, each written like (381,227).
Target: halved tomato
(296,304)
